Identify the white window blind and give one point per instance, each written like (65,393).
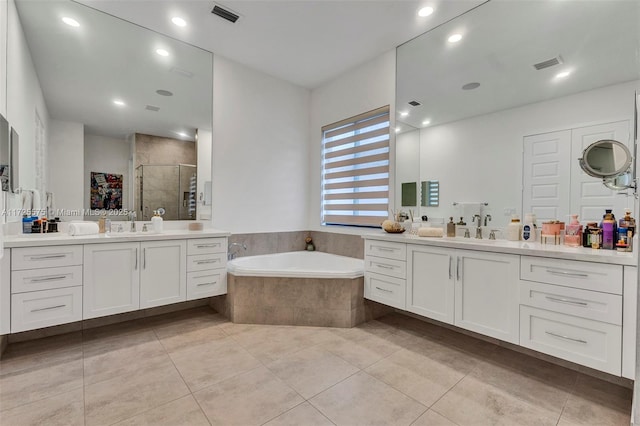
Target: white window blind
(355,170)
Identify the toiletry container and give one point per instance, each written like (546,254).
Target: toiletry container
(156,222)
(514,229)
(451,228)
(630,223)
(608,231)
(573,232)
(622,242)
(102,222)
(27,222)
(529,229)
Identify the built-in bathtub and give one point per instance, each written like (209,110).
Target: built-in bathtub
(298,288)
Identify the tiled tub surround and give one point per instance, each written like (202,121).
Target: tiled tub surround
(197,368)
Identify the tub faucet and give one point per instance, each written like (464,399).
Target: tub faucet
(231,254)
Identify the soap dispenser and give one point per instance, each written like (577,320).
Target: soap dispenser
(451,228)
(156,222)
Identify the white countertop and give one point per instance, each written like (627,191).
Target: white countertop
(515,247)
(60,238)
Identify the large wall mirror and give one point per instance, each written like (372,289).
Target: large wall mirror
(137,103)
(477,85)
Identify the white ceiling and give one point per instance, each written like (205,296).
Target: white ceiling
(305,42)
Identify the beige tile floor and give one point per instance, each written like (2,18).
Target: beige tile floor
(196,368)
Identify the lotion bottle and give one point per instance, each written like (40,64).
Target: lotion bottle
(608,231)
(573,232)
(156,222)
(529,230)
(514,229)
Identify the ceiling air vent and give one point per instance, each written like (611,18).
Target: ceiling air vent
(415,103)
(548,63)
(152,108)
(225,14)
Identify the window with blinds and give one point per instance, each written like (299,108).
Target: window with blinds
(355,170)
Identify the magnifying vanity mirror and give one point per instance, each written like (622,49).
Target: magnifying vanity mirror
(610,161)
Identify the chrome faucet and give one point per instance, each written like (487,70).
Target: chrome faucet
(479,233)
(231,254)
(487,219)
(477,216)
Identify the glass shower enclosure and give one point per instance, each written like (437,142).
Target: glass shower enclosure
(168,187)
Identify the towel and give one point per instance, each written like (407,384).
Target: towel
(430,232)
(83,228)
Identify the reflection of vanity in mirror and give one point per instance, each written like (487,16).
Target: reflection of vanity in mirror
(116,100)
(503,114)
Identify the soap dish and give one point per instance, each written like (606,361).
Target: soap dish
(195,226)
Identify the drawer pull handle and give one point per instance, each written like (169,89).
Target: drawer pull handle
(51,278)
(48,308)
(383,266)
(385,248)
(450,265)
(208,245)
(384,289)
(563,300)
(202,276)
(568,274)
(201,262)
(565,337)
(47,256)
(201,284)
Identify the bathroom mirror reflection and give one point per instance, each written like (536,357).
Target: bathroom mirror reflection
(4,154)
(105,84)
(518,69)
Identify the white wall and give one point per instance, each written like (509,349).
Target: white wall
(362,89)
(24,98)
(480,158)
(260,151)
(3,57)
(108,155)
(204,172)
(66,173)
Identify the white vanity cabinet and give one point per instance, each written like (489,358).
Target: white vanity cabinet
(474,290)
(46,286)
(385,273)
(206,267)
(163,278)
(111,279)
(573,310)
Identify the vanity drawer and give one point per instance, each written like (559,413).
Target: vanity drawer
(202,262)
(572,273)
(386,290)
(386,249)
(582,303)
(45,308)
(390,267)
(206,283)
(45,278)
(46,257)
(206,245)
(591,343)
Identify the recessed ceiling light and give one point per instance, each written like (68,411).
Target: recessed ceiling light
(454,38)
(163,92)
(426,122)
(70,21)
(118,102)
(471,86)
(563,74)
(179,21)
(425,11)
(162,52)
(183,134)
(404,114)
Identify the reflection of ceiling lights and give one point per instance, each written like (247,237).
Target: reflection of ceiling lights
(563,74)
(404,114)
(179,21)
(397,129)
(163,92)
(426,122)
(471,86)
(183,134)
(454,38)
(162,52)
(70,21)
(425,11)
(118,102)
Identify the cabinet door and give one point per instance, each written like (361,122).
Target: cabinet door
(629,322)
(486,295)
(5,292)
(111,279)
(163,277)
(430,282)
